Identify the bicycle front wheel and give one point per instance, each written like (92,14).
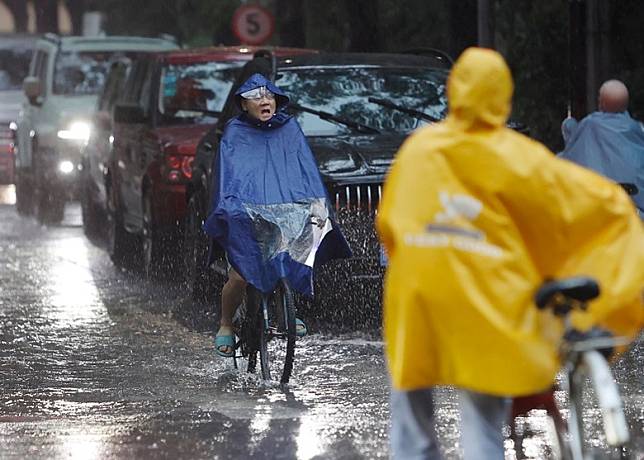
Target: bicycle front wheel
(277,341)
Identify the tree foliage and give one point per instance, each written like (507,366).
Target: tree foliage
(533,36)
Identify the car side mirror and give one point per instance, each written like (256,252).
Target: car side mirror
(32,89)
(129,113)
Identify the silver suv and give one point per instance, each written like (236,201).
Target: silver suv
(65,76)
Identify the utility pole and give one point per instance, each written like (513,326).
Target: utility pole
(597,48)
(577,100)
(485,11)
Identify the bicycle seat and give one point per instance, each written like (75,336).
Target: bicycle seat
(579,288)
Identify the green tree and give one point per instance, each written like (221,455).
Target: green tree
(533,38)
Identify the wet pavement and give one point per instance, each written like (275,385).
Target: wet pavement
(95,363)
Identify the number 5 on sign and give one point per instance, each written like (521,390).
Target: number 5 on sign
(253,24)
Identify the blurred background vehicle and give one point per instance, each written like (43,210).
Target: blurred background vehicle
(355,109)
(170,100)
(97,152)
(65,77)
(15,55)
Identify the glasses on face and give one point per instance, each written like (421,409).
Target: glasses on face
(258,93)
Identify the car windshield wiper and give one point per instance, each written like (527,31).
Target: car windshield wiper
(331,117)
(408,111)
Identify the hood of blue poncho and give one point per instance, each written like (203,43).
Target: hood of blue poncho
(258,80)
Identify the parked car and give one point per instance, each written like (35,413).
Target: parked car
(356,110)
(65,77)
(97,153)
(170,101)
(15,55)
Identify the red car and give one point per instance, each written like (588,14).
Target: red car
(169,101)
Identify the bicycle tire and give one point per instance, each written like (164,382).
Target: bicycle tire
(277,343)
(245,324)
(575,420)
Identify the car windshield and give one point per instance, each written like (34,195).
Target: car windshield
(195,92)
(14,66)
(83,73)
(344,92)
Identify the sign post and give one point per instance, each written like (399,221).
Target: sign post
(253,24)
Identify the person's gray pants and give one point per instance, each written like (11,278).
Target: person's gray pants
(413,436)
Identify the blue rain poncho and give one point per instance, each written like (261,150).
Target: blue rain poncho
(269,209)
(611,144)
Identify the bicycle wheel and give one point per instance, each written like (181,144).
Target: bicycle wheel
(575,416)
(246,324)
(277,342)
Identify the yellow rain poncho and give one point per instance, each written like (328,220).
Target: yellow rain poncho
(474,217)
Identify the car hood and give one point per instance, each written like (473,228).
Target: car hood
(10,103)
(181,139)
(351,159)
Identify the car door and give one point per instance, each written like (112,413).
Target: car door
(128,140)
(100,147)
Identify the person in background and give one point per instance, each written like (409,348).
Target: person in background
(474,218)
(609,141)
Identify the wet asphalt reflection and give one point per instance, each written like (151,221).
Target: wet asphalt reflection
(94,363)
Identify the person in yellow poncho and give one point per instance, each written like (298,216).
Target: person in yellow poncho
(474,218)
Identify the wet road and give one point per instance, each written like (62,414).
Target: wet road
(94,363)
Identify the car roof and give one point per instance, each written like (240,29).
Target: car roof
(227,53)
(17,40)
(112,43)
(365,60)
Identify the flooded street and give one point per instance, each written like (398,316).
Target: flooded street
(96,363)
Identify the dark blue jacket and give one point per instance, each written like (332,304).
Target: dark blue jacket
(269,210)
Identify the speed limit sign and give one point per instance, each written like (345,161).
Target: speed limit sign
(253,24)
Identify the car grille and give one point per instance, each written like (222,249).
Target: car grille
(357,197)
(356,207)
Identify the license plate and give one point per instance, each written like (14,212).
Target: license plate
(382,256)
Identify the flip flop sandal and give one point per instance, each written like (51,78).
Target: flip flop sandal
(300,328)
(225,341)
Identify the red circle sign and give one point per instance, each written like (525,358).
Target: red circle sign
(253,24)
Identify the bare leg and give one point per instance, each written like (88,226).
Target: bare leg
(231,296)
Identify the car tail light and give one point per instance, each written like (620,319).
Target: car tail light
(186,166)
(7,138)
(178,168)
(173,162)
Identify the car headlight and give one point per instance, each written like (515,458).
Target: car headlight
(78,131)
(66,167)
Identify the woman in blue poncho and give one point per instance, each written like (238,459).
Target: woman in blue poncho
(269,208)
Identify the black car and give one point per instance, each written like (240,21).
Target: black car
(97,154)
(355,109)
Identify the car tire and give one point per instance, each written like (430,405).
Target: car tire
(122,246)
(198,278)
(50,207)
(157,247)
(90,217)
(24,196)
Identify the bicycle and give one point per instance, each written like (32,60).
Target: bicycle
(584,355)
(264,324)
